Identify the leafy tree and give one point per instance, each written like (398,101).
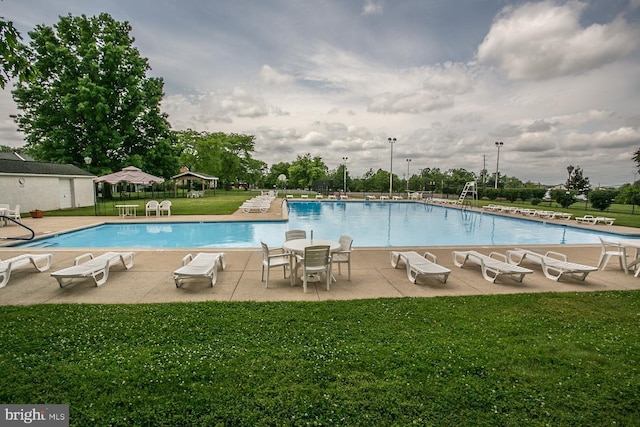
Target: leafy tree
(256,170)
(91,97)
(304,170)
(512,182)
(602,199)
(636,158)
(577,181)
(225,156)
(455,179)
(564,198)
(337,178)
(431,179)
(629,195)
(271,180)
(13,60)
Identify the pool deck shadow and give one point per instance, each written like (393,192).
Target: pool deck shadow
(372,276)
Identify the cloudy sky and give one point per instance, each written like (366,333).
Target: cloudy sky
(557,81)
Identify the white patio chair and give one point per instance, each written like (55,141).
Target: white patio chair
(4,208)
(274,257)
(15,214)
(152,206)
(295,234)
(164,206)
(343,255)
(317,260)
(612,249)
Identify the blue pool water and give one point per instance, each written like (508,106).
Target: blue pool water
(383,224)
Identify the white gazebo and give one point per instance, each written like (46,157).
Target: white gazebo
(207,180)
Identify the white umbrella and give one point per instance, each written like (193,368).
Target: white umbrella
(130,174)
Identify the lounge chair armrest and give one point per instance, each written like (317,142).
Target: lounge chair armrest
(516,256)
(80,259)
(498,255)
(557,255)
(431,257)
(187,259)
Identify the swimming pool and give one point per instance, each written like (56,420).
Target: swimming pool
(371,224)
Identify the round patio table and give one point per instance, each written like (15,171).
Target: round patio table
(297,246)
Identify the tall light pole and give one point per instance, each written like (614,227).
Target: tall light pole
(344,171)
(408,163)
(498,145)
(391,142)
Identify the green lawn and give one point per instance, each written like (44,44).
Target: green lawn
(625,215)
(512,360)
(219,203)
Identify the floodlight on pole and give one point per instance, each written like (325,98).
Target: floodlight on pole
(344,172)
(391,142)
(408,163)
(498,145)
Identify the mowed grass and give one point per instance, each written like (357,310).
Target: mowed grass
(220,203)
(558,359)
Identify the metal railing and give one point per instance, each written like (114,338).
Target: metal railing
(6,218)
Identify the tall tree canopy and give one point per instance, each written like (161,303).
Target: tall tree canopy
(13,62)
(304,170)
(225,156)
(91,98)
(577,181)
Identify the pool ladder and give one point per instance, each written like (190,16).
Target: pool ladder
(6,218)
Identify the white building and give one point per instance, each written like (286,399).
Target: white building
(44,186)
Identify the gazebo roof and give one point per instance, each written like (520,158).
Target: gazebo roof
(130,174)
(195,175)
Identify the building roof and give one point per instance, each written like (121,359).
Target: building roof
(15,155)
(14,167)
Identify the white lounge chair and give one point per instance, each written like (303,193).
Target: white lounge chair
(204,264)
(41,262)
(528,212)
(255,207)
(593,220)
(604,220)
(97,268)
(152,206)
(165,206)
(554,264)
(418,266)
(491,267)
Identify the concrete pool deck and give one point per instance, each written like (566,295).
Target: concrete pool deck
(372,276)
